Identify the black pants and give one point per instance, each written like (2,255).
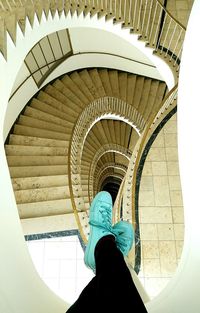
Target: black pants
(112,289)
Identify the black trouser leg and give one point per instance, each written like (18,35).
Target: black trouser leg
(116,290)
(86,298)
(112,289)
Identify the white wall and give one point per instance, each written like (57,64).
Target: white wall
(182,294)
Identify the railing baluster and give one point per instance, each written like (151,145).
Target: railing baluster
(134,14)
(148,21)
(168,49)
(166,35)
(140,10)
(176,44)
(158,26)
(144,16)
(161,33)
(153,21)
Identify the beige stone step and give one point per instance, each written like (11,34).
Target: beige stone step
(44,116)
(90,147)
(45,208)
(94,138)
(125,142)
(101,131)
(133,140)
(138,91)
(117,132)
(39,182)
(111,126)
(145,96)
(95,77)
(105,79)
(131,82)
(34,171)
(54,107)
(159,97)
(122,132)
(122,77)
(36,123)
(90,84)
(76,77)
(105,126)
(42,194)
(74,88)
(36,160)
(151,99)
(113,75)
(59,96)
(19,150)
(36,141)
(37,132)
(59,85)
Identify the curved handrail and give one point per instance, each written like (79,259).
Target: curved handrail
(108,147)
(150,19)
(92,113)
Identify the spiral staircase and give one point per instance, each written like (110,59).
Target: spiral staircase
(87,130)
(38,146)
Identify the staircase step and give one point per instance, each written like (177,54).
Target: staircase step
(59,96)
(74,88)
(19,150)
(39,182)
(90,85)
(45,208)
(138,91)
(35,132)
(59,85)
(36,123)
(152,98)
(36,160)
(75,76)
(36,141)
(122,85)
(113,75)
(131,82)
(34,171)
(44,116)
(42,194)
(54,107)
(94,74)
(105,79)
(133,139)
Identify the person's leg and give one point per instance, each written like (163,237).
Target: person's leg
(115,287)
(86,300)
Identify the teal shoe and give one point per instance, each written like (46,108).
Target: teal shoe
(100,220)
(124,236)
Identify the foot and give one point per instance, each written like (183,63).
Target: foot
(100,221)
(124,236)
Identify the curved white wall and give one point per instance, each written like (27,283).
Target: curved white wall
(182,293)
(21,290)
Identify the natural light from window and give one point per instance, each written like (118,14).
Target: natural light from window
(59,262)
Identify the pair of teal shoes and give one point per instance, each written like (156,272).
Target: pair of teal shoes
(100,220)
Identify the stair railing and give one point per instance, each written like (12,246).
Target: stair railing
(149,19)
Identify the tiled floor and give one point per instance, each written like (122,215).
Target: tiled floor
(59,262)
(161,212)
